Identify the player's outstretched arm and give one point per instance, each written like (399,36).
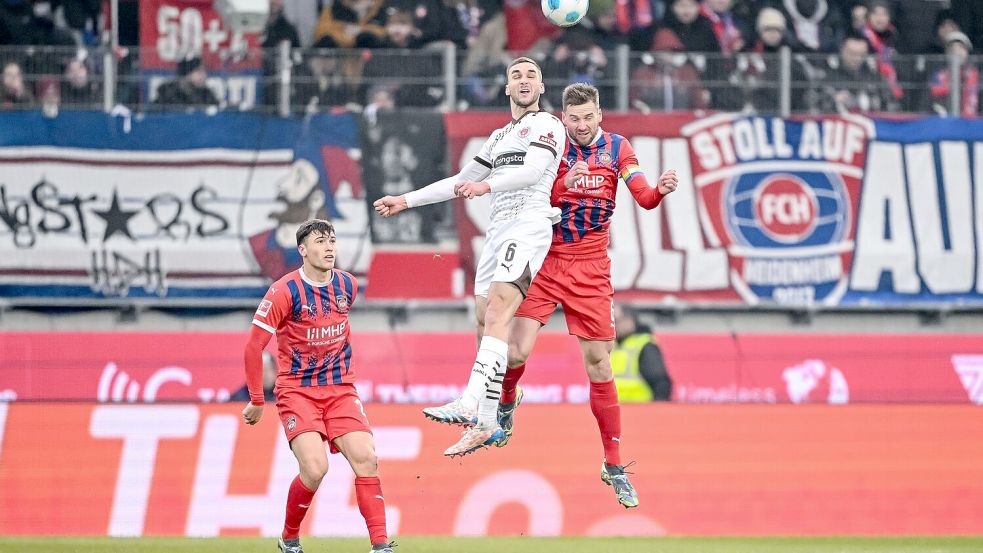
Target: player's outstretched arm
(440,191)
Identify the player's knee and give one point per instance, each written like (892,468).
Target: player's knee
(365,463)
(598,368)
(313,469)
(517,355)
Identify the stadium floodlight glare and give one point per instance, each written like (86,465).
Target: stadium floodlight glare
(248,16)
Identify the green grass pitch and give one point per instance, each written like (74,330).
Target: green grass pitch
(503,545)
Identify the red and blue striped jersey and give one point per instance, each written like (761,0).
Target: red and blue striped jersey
(586,208)
(310,320)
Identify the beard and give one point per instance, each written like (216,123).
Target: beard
(534,99)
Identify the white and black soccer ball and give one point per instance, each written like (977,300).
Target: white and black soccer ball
(565,13)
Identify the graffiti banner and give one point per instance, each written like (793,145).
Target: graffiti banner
(170,206)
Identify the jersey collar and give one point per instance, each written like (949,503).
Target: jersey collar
(305,278)
(515,121)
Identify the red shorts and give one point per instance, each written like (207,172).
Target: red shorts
(331,411)
(582,286)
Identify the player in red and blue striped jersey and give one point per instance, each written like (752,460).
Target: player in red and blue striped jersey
(317,402)
(577,270)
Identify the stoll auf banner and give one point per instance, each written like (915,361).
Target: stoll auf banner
(826,211)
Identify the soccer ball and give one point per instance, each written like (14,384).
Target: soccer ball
(565,13)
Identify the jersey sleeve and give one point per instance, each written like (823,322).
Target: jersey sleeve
(354,287)
(546,132)
(484,156)
(272,310)
(645,195)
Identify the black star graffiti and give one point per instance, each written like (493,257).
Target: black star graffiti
(117,219)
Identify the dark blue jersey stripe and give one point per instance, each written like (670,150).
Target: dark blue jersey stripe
(578,220)
(325,297)
(311,298)
(349,285)
(347,357)
(565,222)
(344,357)
(295,302)
(322,373)
(312,361)
(295,360)
(616,151)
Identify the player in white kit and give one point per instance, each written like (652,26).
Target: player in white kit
(517,165)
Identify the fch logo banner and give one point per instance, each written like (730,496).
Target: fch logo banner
(781,197)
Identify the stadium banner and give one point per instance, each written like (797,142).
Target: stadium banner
(406,367)
(170,205)
(197,470)
(839,210)
(175,30)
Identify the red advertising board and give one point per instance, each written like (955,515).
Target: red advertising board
(130,470)
(418,367)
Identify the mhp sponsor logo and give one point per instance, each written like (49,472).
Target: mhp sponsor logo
(780,196)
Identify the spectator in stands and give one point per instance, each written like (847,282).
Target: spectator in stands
(379,99)
(694,30)
(636,20)
(575,59)
(815,25)
(851,84)
(278,29)
(15,92)
(526,29)
(729,29)
(640,372)
(435,20)
(329,78)
(422,74)
(945,23)
(882,36)
(759,71)
(858,17)
(472,15)
(189,88)
(352,24)
(77,89)
(485,65)
(940,86)
(969,16)
(667,79)
(603,27)
(269,381)
(82,18)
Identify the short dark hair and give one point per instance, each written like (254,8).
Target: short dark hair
(524,59)
(578,94)
(319,226)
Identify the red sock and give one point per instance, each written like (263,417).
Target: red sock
(604,405)
(298,501)
(368,493)
(512,376)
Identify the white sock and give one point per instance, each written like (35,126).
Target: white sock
(492,353)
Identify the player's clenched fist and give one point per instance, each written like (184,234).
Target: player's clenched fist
(578,170)
(668,181)
(471,189)
(252,413)
(388,206)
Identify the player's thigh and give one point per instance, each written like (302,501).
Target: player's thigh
(359,448)
(588,300)
(299,412)
(484,269)
(542,298)
(344,414)
(308,448)
(521,248)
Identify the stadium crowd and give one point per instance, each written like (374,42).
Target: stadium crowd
(848,55)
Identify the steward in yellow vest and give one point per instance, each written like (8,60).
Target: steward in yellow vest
(639,369)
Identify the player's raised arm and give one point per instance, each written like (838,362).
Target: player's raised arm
(645,195)
(440,191)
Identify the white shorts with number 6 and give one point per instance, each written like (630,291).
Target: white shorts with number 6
(514,251)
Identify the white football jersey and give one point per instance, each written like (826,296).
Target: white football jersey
(505,150)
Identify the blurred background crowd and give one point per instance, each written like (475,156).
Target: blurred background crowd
(845,55)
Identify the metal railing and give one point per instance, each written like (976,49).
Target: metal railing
(285,81)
